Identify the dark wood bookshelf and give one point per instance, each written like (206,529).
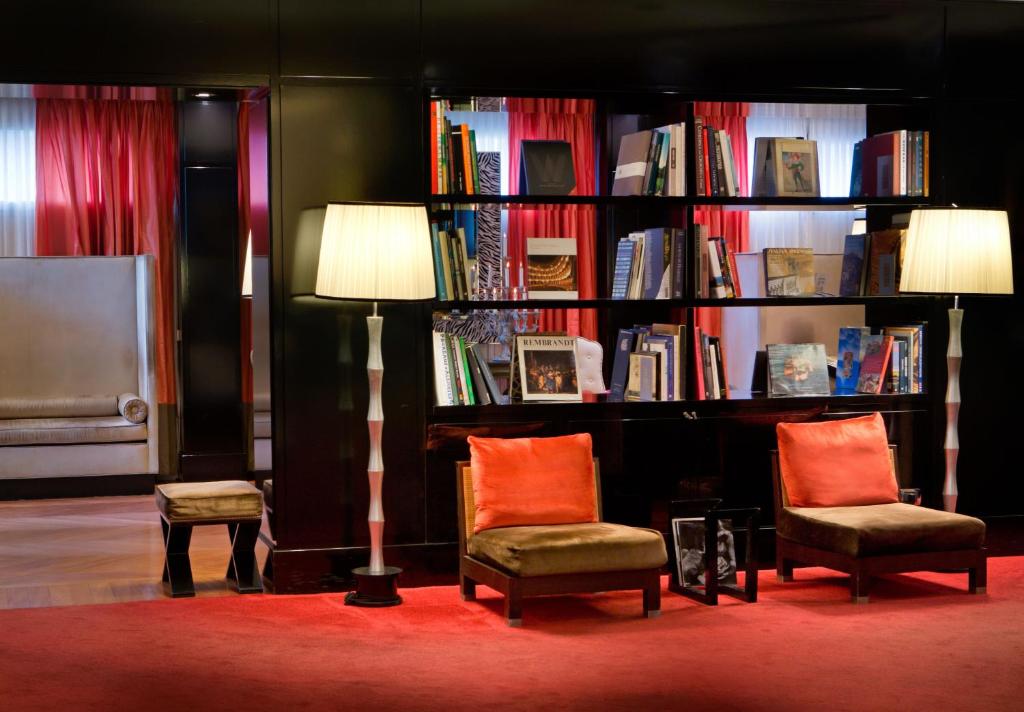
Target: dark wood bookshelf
(605,303)
(753,203)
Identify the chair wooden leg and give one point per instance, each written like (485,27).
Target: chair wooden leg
(514,604)
(652,597)
(467,587)
(860,585)
(177,566)
(977,576)
(245,572)
(783,568)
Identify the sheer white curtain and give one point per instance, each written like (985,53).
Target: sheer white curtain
(836,127)
(17,177)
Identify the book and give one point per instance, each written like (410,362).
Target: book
(631,164)
(875,352)
(551,271)
(914,335)
(547,368)
(620,364)
(677,355)
(443,391)
(440,282)
(654,262)
(713,160)
(644,372)
(789,271)
(894,163)
(483,396)
(698,364)
(678,262)
(480,352)
(885,260)
(688,534)
(459,345)
(623,268)
(698,138)
(851,282)
(546,168)
(797,370)
(848,355)
(716,285)
(785,167)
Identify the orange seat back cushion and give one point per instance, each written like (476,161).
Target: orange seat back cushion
(838,463)
(533,481)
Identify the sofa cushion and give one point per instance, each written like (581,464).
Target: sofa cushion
(51,407)
(880,529)
(568,549)
(261,424)
(836,463)
(532,481)
(70,431)
(198,501)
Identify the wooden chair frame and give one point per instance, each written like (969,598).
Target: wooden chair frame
(516,588)
(789,553)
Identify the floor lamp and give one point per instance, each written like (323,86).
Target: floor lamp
(375,252)
(956,251)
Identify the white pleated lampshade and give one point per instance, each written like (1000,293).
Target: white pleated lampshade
(376,252)
(958,251)
(247,269)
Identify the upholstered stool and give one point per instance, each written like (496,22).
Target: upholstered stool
(184,505)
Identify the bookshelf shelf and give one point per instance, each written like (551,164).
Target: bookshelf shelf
(462,305)
(638,201)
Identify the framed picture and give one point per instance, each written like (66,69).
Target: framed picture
(548,368)
(551,271)
(796,168)
(688,534)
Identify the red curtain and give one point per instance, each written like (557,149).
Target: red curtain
(733,225)
(107,184)
(569,120)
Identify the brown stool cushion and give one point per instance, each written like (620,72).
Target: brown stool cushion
(879,529)
(199,501)
(568,548)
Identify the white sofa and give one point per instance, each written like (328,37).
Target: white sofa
(75,334)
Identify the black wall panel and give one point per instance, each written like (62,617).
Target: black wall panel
(729,45)
(984,48)
(354,38)
(343,142)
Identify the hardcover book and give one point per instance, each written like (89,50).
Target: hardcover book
(885,260)
(874,361)
(551,268)
(620,364)
(623,268)
(797,370)
(644,372)
(546,168)
(547,368)
(848,355)
(789,271)
(851,283)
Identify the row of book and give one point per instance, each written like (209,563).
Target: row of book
(652,162)
(650,363)
(650,264)
(452,265)
(895,163)
(872,263)
(462,375)
(717,276)
(891,361)
(709,366)
(454,159)
(716,162)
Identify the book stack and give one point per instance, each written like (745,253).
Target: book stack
(888,362)
(650,363)
(895,163)
(717,276)
(716,162)
(454,159)
(452,265)
(872,263)
(462,373)
(650,264)
(709,366)
(652,162)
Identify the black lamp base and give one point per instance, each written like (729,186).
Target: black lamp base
(375,590)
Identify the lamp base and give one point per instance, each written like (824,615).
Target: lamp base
(375,590)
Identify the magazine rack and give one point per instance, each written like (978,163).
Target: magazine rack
(708,594)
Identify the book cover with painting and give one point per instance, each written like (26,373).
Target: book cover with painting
(547,368)
(848,355)
(789,271)
(875,352)
(797,370)
(551,268)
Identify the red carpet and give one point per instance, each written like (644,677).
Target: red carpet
(922,643)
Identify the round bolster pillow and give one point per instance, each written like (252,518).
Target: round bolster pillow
(133,408)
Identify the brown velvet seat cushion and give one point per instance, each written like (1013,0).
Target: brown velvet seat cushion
(568,548)
(198,501)
(879,529)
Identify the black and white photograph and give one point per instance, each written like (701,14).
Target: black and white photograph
(688,534)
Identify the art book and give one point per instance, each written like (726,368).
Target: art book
(547,368)
(875,351)
(551,268)
(797,370)
(789,271)
(690,545)
(848,355)
(851,282)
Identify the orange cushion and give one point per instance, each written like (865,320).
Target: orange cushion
(840,463)
(531,481)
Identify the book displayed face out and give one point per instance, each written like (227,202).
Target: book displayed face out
(688,533)
(789,271)
(546,168)
(551,270)
(797,370)
(548,368)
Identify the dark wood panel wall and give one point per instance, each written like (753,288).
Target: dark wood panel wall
(346,99)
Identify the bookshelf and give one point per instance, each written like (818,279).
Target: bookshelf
(631,434)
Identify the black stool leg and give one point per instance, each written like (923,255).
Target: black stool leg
(232,528)
(246,575)
(177,566)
